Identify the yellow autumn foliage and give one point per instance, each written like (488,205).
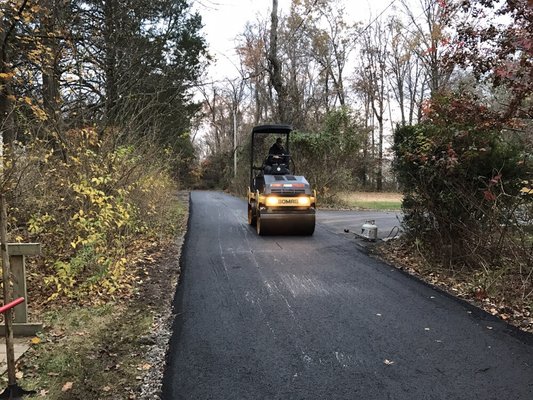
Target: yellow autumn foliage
(88,211)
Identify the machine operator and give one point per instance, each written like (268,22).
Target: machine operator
(276,152)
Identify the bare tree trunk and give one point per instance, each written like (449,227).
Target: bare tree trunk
(399,68)
(50,87)
(379,178)
(430,38)
(338,79)
(275,69)
(7,122)
(51,74)
(326,90)
(6,102)
(7,129)
(376,54)
(379,111)
(258,107)
(372,146)
(110,61)
(213,108)
(366,161)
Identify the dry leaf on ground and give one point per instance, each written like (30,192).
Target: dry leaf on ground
(67,386)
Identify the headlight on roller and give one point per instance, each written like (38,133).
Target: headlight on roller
(304,201)
(271,201)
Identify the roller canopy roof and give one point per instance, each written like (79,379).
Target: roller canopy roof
(281,128)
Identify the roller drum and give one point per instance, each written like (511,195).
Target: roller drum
(295,223)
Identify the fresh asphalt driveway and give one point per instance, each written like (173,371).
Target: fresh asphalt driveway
(315,318)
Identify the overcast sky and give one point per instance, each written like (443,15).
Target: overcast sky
(224,20)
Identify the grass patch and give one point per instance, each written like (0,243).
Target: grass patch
(97,350)
(371,200)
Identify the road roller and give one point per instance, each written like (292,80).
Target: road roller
(279,201)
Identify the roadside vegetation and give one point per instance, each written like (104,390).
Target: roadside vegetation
(98,127)
(111,348)
(105,220)
(466,170)
(95,122)
(94,352)
(468,207)
(93,154)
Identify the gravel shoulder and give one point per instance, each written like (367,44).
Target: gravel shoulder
(158,293)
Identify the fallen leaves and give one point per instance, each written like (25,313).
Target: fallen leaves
(480,294)
(108,338)
(388,362)
(67,386)
(36,340)
(144,367)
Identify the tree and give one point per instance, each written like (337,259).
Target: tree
(461,181)
(495,40)
(329,156)
(408,79)
(331,48)
(11,14)
(373,83)
(252,49)
(275,69)
(97,94)
(432,40)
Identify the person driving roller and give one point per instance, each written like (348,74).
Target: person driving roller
(276,151)
(277,159)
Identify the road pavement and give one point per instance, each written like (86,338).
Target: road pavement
(314,318)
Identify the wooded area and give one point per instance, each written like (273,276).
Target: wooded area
(314,63)
(96,112)
(100,123)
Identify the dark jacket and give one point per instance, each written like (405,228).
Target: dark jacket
(274,155)
(276,149)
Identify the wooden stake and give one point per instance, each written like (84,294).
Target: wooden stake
(6,275)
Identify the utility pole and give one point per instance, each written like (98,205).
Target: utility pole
(235,142)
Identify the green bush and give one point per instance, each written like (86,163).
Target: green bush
(330,158)
(462,172)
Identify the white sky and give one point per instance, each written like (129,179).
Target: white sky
(224,20)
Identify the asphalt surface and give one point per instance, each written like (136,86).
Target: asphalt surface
(315,318)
